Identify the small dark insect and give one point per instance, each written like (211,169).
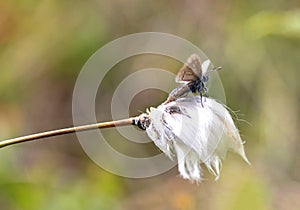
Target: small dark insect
(193,75)
(173,109)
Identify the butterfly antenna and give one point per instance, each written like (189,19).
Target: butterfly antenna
(217,68)
(214,69)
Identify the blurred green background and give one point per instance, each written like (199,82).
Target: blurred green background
(45,43)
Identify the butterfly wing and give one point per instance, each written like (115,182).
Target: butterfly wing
(190,71)
(205,66)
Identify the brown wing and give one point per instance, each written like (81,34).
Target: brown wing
(190,71)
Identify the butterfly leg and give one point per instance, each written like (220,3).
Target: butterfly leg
(201,87)
(205,92)
(201,99)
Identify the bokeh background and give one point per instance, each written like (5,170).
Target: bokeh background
(43,46)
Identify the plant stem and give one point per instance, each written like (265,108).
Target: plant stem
(129,121)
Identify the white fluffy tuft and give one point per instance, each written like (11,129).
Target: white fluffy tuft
(195,134)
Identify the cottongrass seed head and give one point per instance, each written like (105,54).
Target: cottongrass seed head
(195,134)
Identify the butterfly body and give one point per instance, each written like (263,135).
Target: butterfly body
(197,86)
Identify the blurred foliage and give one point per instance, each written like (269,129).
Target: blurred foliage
(277,23)
(43,46)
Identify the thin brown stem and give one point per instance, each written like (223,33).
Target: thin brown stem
(63,131)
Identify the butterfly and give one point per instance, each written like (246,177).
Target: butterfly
(193,75)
